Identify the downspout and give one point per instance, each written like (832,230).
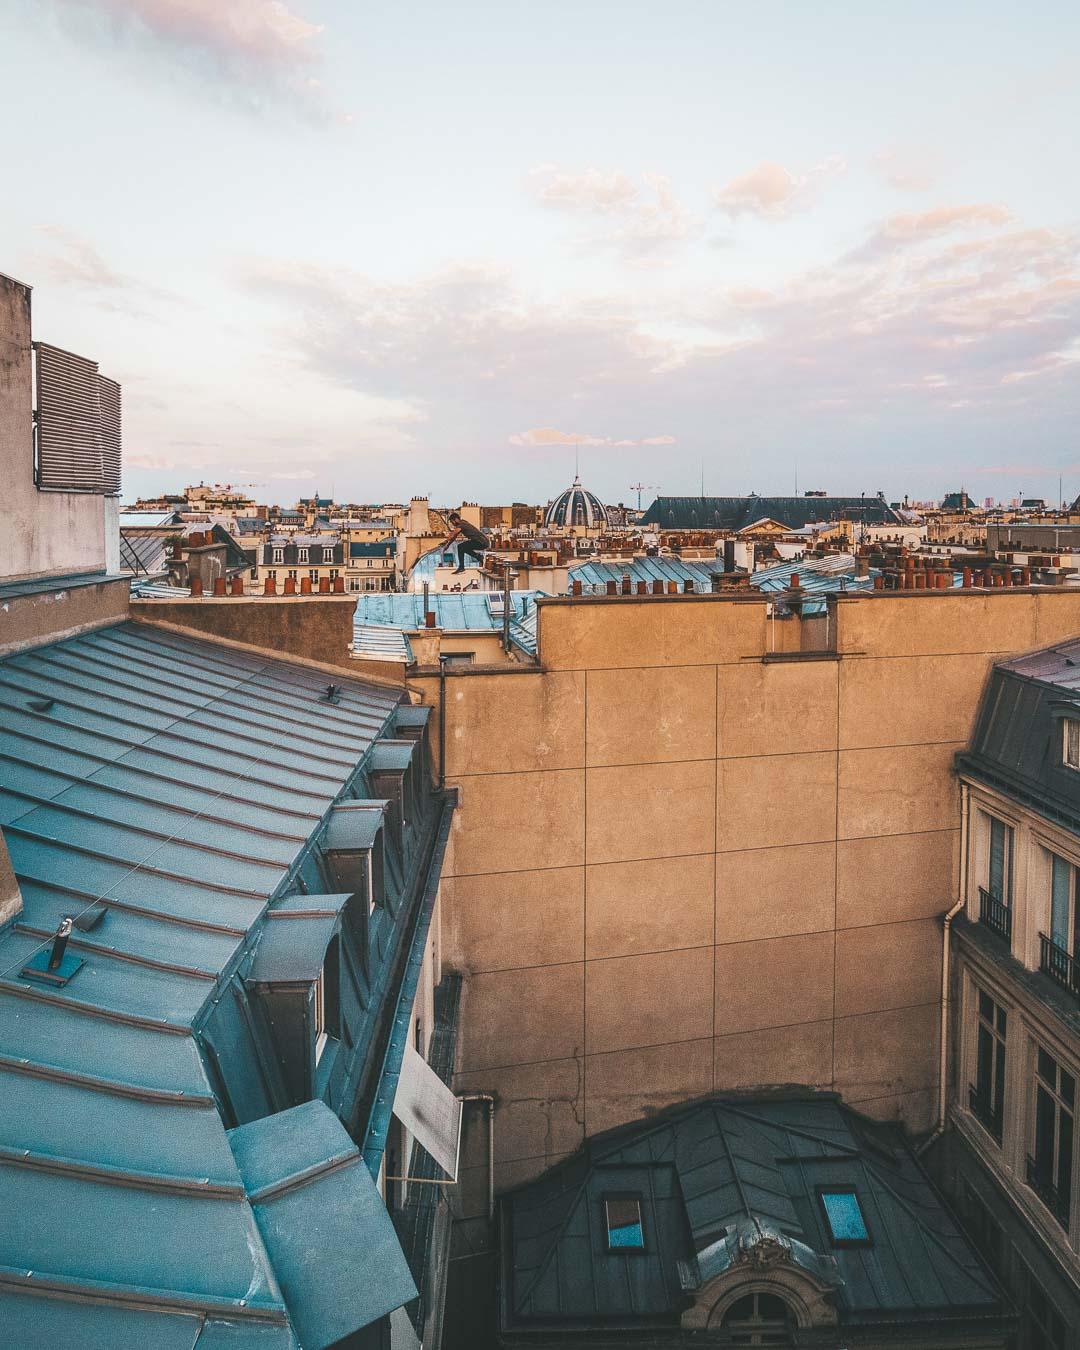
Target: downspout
(490,1101)
(939,1128)
(442,720)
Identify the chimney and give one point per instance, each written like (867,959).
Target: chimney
(238,585)
(219,585)
(197,588)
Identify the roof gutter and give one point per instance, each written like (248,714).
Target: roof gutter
(379,1118)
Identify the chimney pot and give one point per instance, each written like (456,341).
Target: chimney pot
(196,586)
(688,587)
(658,588)
(324,585)
(339,585)
(795,582)
(610,587)
(429,619)
(219,585)
(575,588)
(290,585)
(967,578)
(305,585)
(672,587)
(643,588)
(270,588)
(238,585)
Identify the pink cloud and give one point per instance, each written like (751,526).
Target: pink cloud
(771,191)
(646,215)
(907,169)
(545,436)
(909,229)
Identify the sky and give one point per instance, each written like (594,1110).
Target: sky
(384,249)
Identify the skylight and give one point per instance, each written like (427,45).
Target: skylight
(844,1216)
(624,1230)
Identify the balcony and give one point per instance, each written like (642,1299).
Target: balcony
(1038,1178)
(996,916)
(1059,964)
(985,1113)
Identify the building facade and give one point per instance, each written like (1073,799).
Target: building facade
(1009,1157)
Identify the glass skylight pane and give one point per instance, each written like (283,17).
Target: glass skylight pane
(846,1222)
(624,1228)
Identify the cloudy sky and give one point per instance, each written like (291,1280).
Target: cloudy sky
(428,247)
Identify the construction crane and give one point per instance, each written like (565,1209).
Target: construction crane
(639,488)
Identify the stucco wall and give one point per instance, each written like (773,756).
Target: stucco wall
(317,627)
(680,867)
(43,532)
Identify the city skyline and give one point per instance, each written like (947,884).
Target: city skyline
(349,251)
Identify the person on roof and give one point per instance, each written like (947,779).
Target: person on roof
(473,541)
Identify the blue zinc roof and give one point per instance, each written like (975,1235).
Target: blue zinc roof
(175,795)
(464,611)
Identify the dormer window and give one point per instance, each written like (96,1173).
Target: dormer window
(321,1035)
(279,555)
(622,1215)
(1070,742)
(304,554)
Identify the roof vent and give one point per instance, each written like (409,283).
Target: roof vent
(53,965)
(331,694)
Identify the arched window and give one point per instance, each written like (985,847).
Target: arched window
(759,1319)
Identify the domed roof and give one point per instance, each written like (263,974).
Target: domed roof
(576,506)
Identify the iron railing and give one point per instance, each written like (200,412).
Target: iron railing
(984,1111)
(1039,1179)
(1057,962)
(996,915)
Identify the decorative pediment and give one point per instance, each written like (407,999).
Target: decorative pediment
(763,1261)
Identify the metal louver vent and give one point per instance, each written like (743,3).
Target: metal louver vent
(109,405)
(78,424)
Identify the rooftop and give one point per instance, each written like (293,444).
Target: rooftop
(170,794)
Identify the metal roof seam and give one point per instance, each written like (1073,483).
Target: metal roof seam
(115,954)
(119,1176)
(129,907)
(162,1096)
(41,995)
(262,1310)
(306,1175)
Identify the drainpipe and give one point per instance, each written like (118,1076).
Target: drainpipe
(442,720)
(489,1100)
(939,1128)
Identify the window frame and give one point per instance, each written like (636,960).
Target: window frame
(1060,1106)
(1008,838)
(997,1028)
(843,1188)
(1070,760)
(322,1036)
(304,555)
(277,556)
(623,1197)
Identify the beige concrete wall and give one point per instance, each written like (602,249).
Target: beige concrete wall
(680,866)
(43,532)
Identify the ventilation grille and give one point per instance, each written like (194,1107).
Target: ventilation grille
(78,424)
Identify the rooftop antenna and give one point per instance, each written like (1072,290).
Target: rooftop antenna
(796,475)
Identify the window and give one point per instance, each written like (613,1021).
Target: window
(999,871)
(987,1095)
(1049,1169)
(303,555)
(758,1319)
(1070,742)
(313,575)
(292,573)
(1061,897)
(279,555)
(844,1217)
(333,573)
(622,1213)
(354,583)
(254,574)
(272,576)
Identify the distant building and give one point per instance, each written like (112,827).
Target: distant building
(794,513)
(371,566)
(300,558)
(576,509)
(774,1220)
(1010,1156)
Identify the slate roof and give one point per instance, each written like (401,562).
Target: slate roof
(704,1172)
(166,790)
(735,513)
(1017,742)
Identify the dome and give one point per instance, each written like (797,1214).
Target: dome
(575,506)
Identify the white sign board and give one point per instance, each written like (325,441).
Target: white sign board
(429,1111)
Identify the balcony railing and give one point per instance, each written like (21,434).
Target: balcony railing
(1038,1178)
(1057,962)
(996,916)
(983,1110)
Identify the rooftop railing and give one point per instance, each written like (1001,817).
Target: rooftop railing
(1057,962)
(996,915)
(1039,1179)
